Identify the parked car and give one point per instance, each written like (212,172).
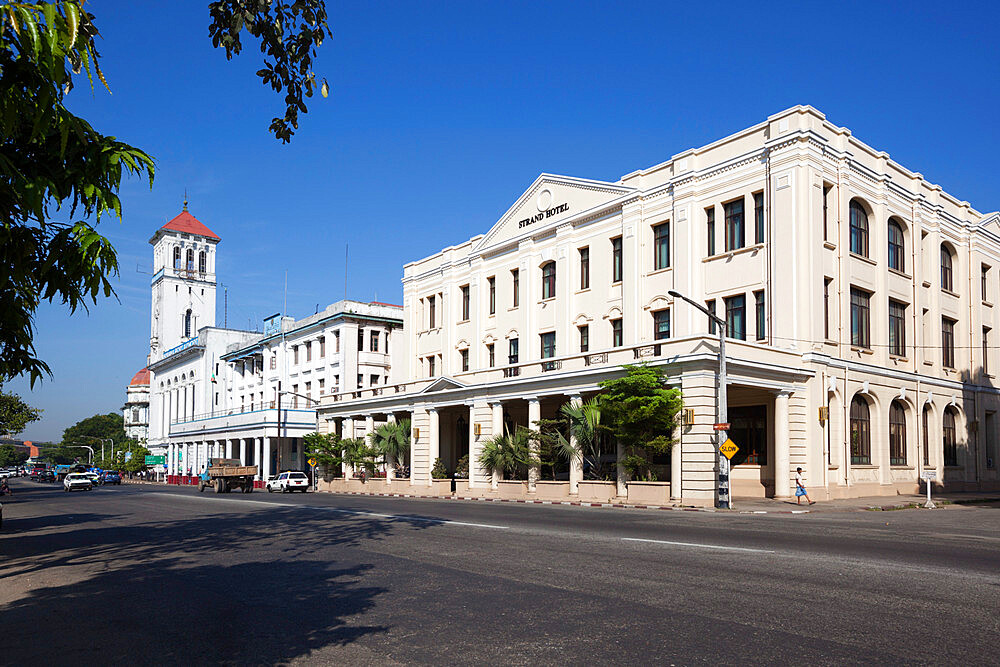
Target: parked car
(6,473)
(46,476)
(287,482)
(111,477)
(78,481)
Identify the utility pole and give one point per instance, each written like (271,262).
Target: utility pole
(723,499)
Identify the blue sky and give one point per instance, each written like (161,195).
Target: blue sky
(441,114)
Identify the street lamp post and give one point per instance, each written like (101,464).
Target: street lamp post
(723,498)
(290,393)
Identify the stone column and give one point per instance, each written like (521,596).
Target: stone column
(390,462)
(495,430)
(620,483)
(782,449)
(243,451)
(534,414)
(171,463)
(473,463)
(186,463)
(347,431)
(369,427)
(676,459)
(576,463)
(265,456)
(434,439)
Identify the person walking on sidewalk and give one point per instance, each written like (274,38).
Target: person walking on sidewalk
(800,489)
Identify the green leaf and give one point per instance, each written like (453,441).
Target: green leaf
(72,21)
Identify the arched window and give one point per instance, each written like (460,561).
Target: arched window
(949,436)
(177,258)
(897,260)
(187,323)
(202,264)
(897,434)
(548,280)
(190,260)
(861,432)
(859,229)
(947,275)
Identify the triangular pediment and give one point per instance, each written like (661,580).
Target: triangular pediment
(441,384)
(990,223)
(550,201)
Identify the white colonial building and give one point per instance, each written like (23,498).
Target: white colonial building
(218,392)
(861,303)
(136,409)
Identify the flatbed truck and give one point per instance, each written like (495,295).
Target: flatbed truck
(225,475)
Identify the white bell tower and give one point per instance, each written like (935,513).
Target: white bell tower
(183,283)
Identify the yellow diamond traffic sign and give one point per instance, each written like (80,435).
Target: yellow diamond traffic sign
(312,462)
(729,449)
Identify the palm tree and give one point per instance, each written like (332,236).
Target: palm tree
(358,454)
(392,441)
(508,453)
(585,427)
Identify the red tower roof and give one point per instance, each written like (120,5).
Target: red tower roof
(140,378)
(187,223)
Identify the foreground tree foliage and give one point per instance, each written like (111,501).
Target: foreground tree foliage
(15,414)
(12,456)
(59,176)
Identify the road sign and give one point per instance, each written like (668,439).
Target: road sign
(722,427)
(928,474)
(729,449)
(312,462)
(155,460)
(128,456)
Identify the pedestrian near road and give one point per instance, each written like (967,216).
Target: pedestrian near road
(800,489)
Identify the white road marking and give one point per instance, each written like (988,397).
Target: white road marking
(390,517)
(699,546)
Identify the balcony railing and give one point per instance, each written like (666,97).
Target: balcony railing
(235,412)
(512,371)
(551,365)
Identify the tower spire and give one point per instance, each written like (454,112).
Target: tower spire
(185,199)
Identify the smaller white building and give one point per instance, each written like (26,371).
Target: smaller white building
(136,408)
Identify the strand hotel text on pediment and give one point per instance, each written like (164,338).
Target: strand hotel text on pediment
(547,213)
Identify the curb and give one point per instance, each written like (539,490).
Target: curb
(572,503)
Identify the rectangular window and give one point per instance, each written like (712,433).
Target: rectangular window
(336,341)
(464,354)
(322,347)
(361,340)
(336,382)
(736,316)
(361,380)
(985,282)
(860,318)
(466,302)
(309,351)
(322,386)
(548,341)
(372,380)
(295,355)
(710,228)
(926,427)
(431,312)
(759,314)
(826,307)
(947,342)
(512,351)
(492,280)
(661,246)
(710,304)
(373,342)
(758,217)
(897,328)
(826,210)
(516,277)
(616,260)
(430,366)
(584,338)
(661,324)
(617,336)
(549,280)
(491,353)
(986,350)
(295,399)
(308,391)
(585,268)
(274,362)
(735,236)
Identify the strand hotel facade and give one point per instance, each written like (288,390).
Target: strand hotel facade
(860,301)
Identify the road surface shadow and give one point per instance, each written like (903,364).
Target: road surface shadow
(246,613)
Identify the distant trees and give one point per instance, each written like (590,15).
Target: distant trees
(15,414)
(12,456)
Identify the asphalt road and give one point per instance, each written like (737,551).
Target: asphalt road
(155,575)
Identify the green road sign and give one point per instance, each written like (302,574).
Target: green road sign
(155,460)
